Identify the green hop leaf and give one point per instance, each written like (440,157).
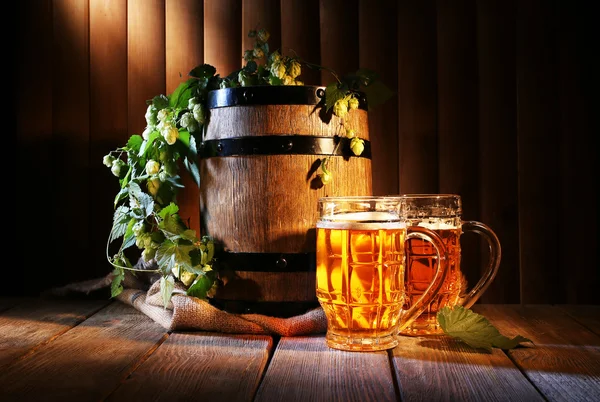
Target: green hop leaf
(116,287)
(182,94)
(167,285)
(332,95)
(120,222)
(201,285)
(203,71)
(474,329)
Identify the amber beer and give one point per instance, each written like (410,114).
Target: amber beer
(441,214)
(421,265)
(360,264)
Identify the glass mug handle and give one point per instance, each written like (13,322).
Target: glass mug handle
(408,316)
(491,269)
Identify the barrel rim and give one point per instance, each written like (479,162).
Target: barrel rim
(272,95)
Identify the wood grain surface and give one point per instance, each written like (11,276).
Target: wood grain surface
(223,35)
(69,73)
(108,97)
(146,61)
(296,39)
(306,369)
(494,102)
(85,363)
(70,351)
(439,368)
(192,365)
(29,324)
(276,211)
(185,46)
(564,361)
(586,315)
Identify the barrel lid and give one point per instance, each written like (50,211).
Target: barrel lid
(271,95)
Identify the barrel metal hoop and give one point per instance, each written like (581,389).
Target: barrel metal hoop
(268,262)
(293,144)
(273,95)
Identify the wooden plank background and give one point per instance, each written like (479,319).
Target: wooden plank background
(492,100)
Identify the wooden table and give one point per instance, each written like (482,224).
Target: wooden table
(93,350)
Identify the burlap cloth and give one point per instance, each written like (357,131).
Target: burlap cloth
(187,313)
(190,313)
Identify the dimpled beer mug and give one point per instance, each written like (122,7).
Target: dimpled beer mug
(441,213)
(361,259)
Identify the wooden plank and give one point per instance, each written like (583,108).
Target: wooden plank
(538,145)
(223,35)
(305,369)
(458,136)
(576,33)
(300,35)
(497,91)
(146,58)
(35,322)
(70,143)
(189,365)
(261,14)
(33,140)
(564,362)
(185,50)
(87,362)
(586,315)
(380,54)
(417,97)
(108,97)
(440,368)
(184,38)
(339,37)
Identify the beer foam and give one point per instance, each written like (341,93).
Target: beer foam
(361,221)
(437,225)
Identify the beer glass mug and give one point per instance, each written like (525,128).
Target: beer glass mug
(442,214)
(360,270)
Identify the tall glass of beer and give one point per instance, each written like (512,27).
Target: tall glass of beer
(361,259)
(442,213)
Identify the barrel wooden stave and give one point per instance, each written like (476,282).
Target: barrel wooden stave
(268,203)
(265,204)
(257,120)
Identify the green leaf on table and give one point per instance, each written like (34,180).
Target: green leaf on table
(474,329)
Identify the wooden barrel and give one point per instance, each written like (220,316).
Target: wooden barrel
(259,188)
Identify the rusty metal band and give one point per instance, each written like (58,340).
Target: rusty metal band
(273,95)
(293,144)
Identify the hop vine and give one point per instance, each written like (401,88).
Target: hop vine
(146,213)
